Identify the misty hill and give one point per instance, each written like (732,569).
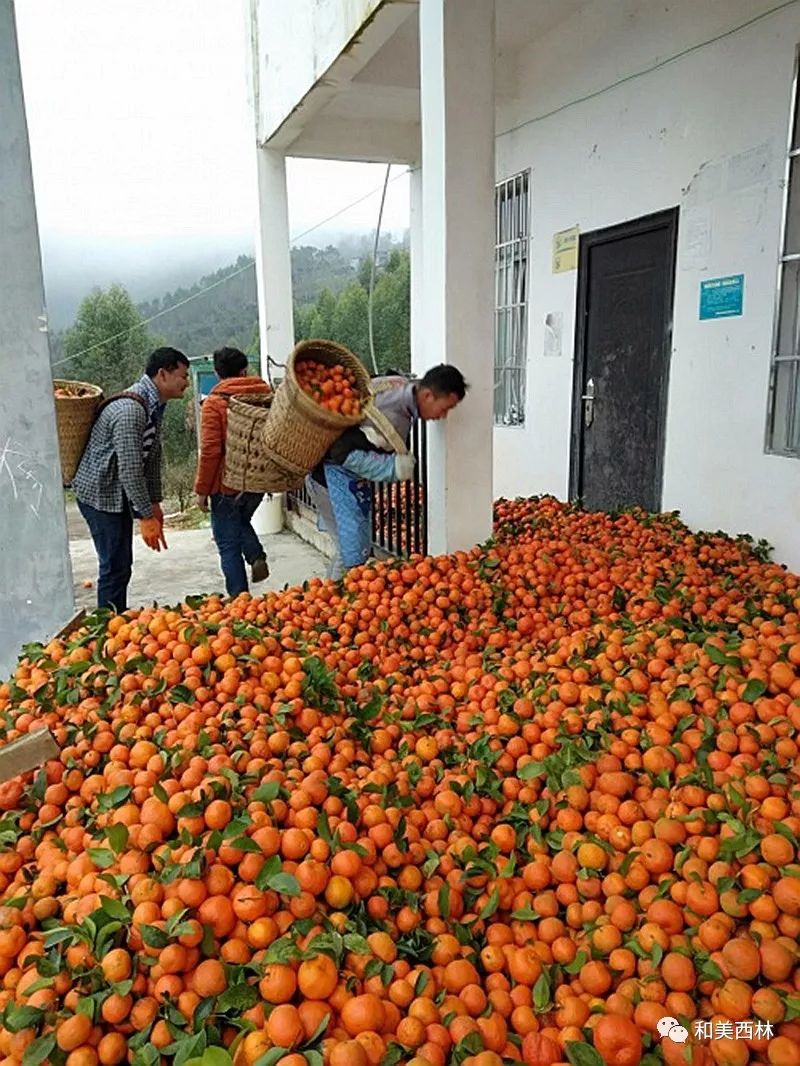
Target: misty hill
(226,314)
(150,268)
(221,306)
(198,321)
(146,269)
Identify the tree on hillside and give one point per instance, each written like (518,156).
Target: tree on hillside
(111,328)
(221,308)
(350,323)
(179,438)
(109,344)
(365,272)
(254,346)
(314,269)
(391,313)
(345,318)
(319,322)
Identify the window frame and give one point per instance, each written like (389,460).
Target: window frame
(502,372)
(775,359)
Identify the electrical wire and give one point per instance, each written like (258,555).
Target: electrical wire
(360,200)
(152,318)
(228,277)
(648,70)
(373,266)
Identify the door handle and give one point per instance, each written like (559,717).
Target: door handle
(588,403)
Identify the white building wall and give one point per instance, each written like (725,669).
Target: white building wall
(707,132)
(297,42)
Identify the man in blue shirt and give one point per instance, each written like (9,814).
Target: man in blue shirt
(340,485)
(119,476)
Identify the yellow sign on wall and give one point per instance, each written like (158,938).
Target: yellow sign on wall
(565,250)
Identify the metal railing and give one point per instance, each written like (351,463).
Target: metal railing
(399,509)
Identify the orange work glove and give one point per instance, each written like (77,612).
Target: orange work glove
(152,532)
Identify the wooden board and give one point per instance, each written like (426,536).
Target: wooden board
(27,753)
(71,625)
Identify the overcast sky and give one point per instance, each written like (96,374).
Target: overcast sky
(141,130)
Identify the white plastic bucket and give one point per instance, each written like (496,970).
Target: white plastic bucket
(269,515)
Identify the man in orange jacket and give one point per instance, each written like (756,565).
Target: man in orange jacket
(231,511)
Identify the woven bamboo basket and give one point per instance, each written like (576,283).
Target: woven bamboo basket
(299,432)
(249,467)
(74,418)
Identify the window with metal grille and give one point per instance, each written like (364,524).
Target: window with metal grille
(512,236)
(783,427)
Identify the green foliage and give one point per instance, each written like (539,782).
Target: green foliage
(344,318)
(225,314)
(320,321)
(179,441)
(178,432)
(314,269)
(350,325)
(391,313)
(115,344)
(228,312)
(110,324)
(331,289)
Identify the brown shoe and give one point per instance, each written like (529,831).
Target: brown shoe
(259,570)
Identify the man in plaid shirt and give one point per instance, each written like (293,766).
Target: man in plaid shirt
(119,476)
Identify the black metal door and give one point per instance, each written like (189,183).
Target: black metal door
(626,278)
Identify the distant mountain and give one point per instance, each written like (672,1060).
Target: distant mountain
(198,321)
(146,269)
(221,307)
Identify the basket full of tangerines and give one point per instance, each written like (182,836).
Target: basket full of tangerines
(325,391)
(76,403)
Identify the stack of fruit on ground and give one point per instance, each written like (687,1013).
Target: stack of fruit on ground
(511,805)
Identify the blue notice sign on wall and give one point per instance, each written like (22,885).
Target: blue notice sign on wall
(722,297)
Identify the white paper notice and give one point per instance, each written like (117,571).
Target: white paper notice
(696,238)
(553,333)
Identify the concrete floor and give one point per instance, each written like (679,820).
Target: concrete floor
(189,567)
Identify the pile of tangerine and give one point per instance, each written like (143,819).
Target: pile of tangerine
(71,390)
(517,804)
(333,387)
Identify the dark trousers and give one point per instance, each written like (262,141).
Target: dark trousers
(113,541)
(235,537)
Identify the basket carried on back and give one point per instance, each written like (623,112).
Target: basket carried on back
(299,431)
(273,442)
(76,403)
(249,466)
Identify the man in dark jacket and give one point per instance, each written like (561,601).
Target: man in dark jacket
(340,485)
(119,476)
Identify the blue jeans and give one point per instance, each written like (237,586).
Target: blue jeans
(235,537)
(344,506)
(113,541)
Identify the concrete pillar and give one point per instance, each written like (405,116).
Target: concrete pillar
(273,259)
(36,597)
(417,255)
(457,109)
